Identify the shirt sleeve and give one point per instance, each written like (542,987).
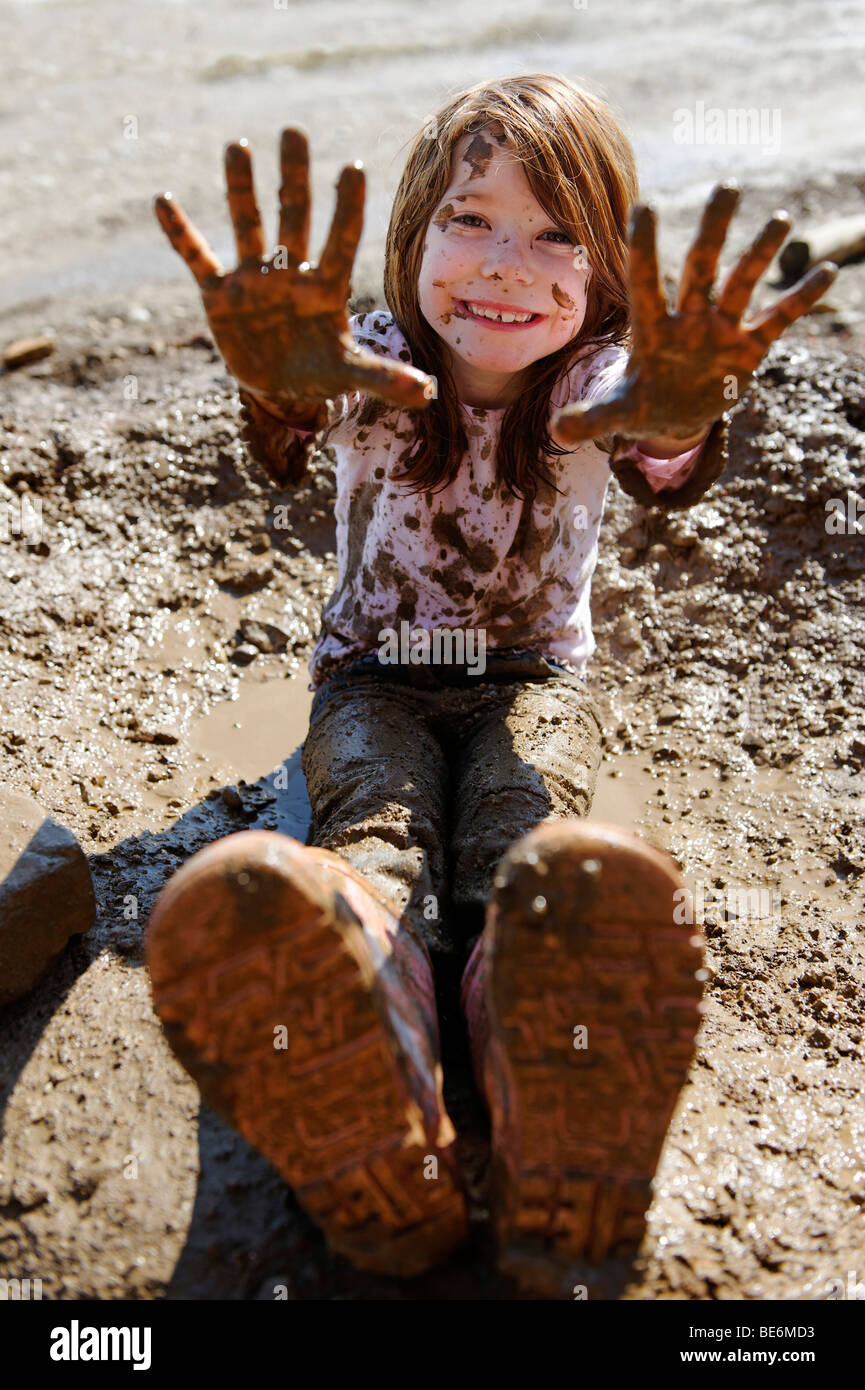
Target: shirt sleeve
(592,379)
(668,472)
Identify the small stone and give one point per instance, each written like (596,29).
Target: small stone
(265,636)
(669,713)
(628,631)
(232,798)
(244,654)
(26,350)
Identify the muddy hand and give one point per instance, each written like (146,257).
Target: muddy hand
(280,323)
(688,366)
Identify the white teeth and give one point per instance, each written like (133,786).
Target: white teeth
(493,314)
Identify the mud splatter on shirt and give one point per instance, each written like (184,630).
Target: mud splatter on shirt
(472,555)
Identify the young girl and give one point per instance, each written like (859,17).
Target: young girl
(454,743)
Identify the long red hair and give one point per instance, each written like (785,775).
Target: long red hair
(580,167)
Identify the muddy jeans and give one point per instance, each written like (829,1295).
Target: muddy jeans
(422,776)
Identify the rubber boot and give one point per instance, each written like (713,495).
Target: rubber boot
(582,1001)
(306,1013)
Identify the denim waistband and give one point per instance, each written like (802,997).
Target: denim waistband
(515,664)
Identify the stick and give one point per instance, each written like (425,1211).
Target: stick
(839,241)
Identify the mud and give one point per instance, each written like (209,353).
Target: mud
(477,156)
(487,761)
(729,673)
(561,297)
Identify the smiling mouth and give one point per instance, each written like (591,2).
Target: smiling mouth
(497,315)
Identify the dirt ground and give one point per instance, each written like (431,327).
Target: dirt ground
(134,707)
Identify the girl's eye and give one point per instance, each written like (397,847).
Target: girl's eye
(461,216)
(565,239)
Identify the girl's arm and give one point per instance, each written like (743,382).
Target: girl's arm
(683,486)
(686,364)
(280,440)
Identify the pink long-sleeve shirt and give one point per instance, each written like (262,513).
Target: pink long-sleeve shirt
(469,556)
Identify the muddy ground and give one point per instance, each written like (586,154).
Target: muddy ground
(729,665)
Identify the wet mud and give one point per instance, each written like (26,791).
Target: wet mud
(153,696)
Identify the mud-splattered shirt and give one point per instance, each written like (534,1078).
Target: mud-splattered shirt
(470,556)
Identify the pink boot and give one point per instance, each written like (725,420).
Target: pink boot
(306,1012)
(582,1005)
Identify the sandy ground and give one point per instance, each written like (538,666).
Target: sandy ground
(729,664)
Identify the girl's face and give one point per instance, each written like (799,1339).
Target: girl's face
(491,250)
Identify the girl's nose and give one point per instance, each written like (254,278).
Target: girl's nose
(507,260)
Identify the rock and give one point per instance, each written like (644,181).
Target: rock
(232,798)
(666,753)
(161,735)
(669,713)
(628,631)
(680,532)
(245,653)
(26,350)
(751,738)
(265,636)
(46,893)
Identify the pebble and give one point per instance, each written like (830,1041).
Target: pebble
(628,631)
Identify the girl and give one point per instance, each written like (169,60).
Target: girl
(448,791)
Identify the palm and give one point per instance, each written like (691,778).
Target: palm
(688,365)
(280,323)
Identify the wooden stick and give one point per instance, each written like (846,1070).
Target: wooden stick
(839,241)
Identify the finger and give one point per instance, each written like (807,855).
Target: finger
(739,285)
(648,300)
(771,323)
(701,262)
(294,195)
(245,217)
(576,423)
(392,381)
(337,258)
(186,239)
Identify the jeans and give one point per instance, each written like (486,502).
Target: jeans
(422,776)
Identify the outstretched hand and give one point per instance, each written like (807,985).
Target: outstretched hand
(688,366)
(281,323)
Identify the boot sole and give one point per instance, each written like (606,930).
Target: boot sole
(579,1120)
(268,994)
